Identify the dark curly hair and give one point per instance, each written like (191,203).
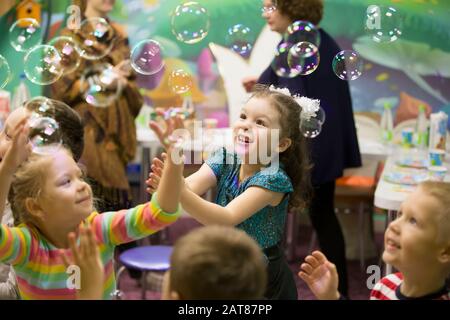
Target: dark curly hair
(296,159)
(307,10)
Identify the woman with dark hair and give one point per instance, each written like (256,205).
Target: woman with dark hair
(336,148)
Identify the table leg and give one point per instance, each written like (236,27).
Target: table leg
(391,216)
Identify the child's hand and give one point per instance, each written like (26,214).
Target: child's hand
(321,276)
(87,257)
(174,131)
(155,175)
(20,148)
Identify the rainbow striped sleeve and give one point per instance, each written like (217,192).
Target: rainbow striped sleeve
(15,244)
(114,228)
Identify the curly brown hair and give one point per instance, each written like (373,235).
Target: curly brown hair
(307,10)
(296,158)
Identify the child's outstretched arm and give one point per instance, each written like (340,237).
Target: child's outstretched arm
(321,276)
(169,188)
(239,209)
(18,152)
(199,182)
(87,257)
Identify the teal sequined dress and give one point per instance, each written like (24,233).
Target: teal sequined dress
(265,226)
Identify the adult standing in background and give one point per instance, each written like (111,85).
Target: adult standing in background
(110,132)
(336,148)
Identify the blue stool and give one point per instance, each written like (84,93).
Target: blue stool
(145,259)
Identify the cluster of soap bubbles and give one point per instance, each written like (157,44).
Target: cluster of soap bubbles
(45,63)
(298,54)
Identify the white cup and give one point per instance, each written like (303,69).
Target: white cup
(437,173)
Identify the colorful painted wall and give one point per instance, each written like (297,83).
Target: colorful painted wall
(417,65)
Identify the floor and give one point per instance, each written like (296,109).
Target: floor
(358,289)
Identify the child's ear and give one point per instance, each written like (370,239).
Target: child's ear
(444,255)
(33,207)
(284,144)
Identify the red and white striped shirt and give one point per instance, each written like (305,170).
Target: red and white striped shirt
(388,288)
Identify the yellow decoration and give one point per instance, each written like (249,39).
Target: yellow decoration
(28,9)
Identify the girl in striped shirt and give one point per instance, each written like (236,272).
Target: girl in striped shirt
(51,200)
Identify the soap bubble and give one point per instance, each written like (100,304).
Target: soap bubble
(5,72)
(302,31)
(304,57)
(68,51)
(44,131)
(102,85)
(310,127)
(239,39)
(348,65)
(383,23)
(24,34)
(280,62)
(180,81)
(190,22)
(42,65)
(42,106)
(146,57)
(96,38)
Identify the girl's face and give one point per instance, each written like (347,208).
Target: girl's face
(257,132)
(276,21)
(411,241)
(103,6)
(66,199)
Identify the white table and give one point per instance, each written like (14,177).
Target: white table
(389,196)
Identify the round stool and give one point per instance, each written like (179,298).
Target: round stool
(145,259)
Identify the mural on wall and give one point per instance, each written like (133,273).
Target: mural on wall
(413,69)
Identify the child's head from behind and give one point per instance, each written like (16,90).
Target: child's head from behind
(419,239)
(49,189)
(216,262)
(70,123)
(269,111)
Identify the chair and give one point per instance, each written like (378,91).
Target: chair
(145,259)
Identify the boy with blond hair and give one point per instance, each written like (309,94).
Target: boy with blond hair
(417,244)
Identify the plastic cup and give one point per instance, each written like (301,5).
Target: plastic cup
(407,137)
(437,173)
(437,157)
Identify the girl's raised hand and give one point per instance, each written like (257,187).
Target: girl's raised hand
(321,276)
(174,131)
(20,148)
(87,257)
(155,175)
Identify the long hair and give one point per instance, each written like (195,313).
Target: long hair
(296,158)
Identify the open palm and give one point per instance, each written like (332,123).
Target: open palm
(321,276)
